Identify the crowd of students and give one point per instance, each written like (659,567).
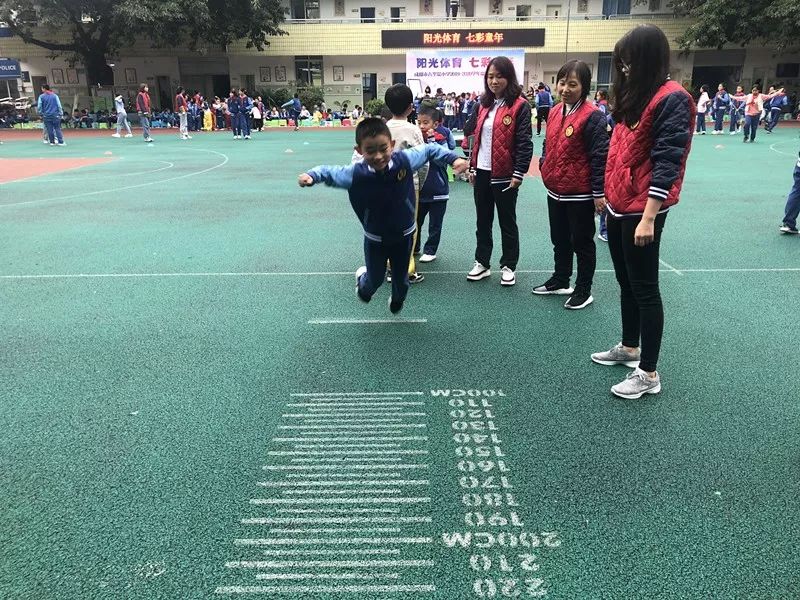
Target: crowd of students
(745,111)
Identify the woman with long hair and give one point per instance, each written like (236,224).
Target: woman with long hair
(644,174)
(501,156)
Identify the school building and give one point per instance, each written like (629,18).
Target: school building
(355,49)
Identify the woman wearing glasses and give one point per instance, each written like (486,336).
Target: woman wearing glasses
(644,173)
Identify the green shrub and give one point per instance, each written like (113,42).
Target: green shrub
(311,96)
(374,107)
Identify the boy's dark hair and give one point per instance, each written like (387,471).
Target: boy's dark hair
(603,94)
(433,113)
(179,90)
(386,114)
(398,98)
(371,127)
(45,87)
(581,70)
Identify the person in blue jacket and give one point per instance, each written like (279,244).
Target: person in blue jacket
(544,102)
(720,107)
(435,191)
(382,183)
(49,106)
(234,108)
(245,110)
(294,106)
(792,210)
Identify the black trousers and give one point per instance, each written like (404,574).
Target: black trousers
(640,298)
(572,231)
(541,115)
(488,196)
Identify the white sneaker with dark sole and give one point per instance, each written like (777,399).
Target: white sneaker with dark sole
(426,258)
(617,356)
(578,301)
(478,272)
(637,384)
(507,276)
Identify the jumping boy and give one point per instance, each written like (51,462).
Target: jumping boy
(435,191)
(383,183)
(399,100)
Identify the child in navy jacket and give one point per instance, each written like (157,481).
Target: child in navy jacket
(380,189)
(435,191)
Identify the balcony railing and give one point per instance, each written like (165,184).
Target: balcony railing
(504,18)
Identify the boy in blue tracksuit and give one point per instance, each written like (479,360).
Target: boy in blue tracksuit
(294,106)
(543,102)
(49,106)
(777,100)
(381,189)
(435,191)
(234,108)
(720,107)
(245,110)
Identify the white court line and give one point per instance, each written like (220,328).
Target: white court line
(336,452)
(409,438)
(332,576)
(297,590)
(336,530)
(337,511)
(333,520)
(345,551)
(331,394)
(669,266)
(365,500)
(792,154)
(336,467)
(299,274)
(398,321)
(311,419)
(330,415)
(128,187)
(346,564)
(357,541)
(351,431)
(334,476)
(346,482)
(334,445)
(337,403)
(361,460)
(36,178)
(341,492)
(376,426)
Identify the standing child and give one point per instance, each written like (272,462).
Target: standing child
(737,109)
(573,167)
(383,183)
(543,102)
(722,102)
(182,108)
(601,102)
(122,117)
(245,111)
(435,191)
(143,110)
(702,107)
(235,108)
(400,101)
(753,105)
(777,100)
(792,209)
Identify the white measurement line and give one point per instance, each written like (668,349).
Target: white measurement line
(334,467)
(365,500)
(332,416)
(337,552)
(409,438)
(306,530)
(346,483)
(311,446)
(339,452)
(356,541)
(669,266)
(318,419)
(398,321)
(341,492)
(332,576)
(332,520)
(337,511)
(376,426)
(362,460)
(333,476)
(351,431)
(339,403)
(330,394)
(339,564)
(296,591)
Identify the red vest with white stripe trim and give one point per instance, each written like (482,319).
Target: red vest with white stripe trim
(629,167)
(503,136)
(566,170)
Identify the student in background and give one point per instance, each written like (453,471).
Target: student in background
(144,111)
(182,108)
(543,101)
(792,209)
(49,106)
(753,106)
(737,110)
(702,108)
(777,100)
(122,117)
(720,107)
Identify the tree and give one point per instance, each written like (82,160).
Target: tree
(97,29)
(716,23)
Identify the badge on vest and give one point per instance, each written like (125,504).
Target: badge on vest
(401,174)
(507,120)
(569,131)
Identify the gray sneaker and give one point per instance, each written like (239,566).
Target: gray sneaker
(637,384)
(617,356)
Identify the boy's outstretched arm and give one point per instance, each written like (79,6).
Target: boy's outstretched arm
(418,156)
(340,177)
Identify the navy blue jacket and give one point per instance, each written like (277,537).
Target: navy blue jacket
(436,187)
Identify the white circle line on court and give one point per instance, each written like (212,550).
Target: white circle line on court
(37,178)
(129,187)
(399,321)
(792,154)
(345,273)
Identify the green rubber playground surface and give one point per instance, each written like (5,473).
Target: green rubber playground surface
(194,404)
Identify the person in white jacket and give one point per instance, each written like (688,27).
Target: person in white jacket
(702,108)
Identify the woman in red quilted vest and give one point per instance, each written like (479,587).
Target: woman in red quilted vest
(573,167)
(501,156)
(644,173)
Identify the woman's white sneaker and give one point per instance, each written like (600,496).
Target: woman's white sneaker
(478,272)
(617,356)
(507,276)
(637,384)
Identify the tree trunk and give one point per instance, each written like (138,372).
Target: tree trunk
(97,69)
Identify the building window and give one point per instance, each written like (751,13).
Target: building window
(397,13)
(583,6)
(523,12)
(655,5)
(367,14)
(495,7)
(604,70)
(338,8)
(308,71)
(304,9)
(398,78)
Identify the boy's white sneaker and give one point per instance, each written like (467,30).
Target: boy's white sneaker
(247,137)
(507,276)
(116,135)
(478,272)
(128,135)
(46,141)
(427,258)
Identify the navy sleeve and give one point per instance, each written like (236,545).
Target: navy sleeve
(541,158)
(472,119)
(523,142)
(672,126)
(595,139)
